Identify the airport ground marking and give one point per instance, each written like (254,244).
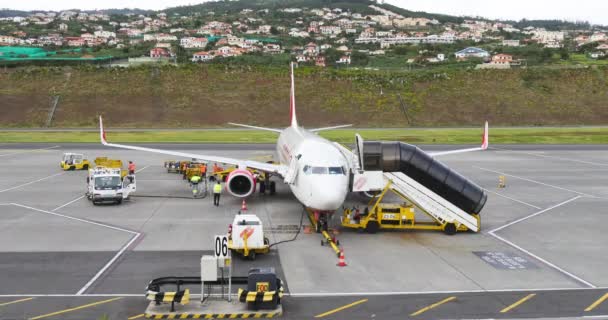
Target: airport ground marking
(135,236)
(77,219)
(551,265)
(137,316)
(432,306)
(67,204)
(16,301)
(513,199)
(350,305)
(31,182)
(74,309)
(553,157)
(534,214)
(539,182)
(518,303)
(562,271)
(597,303)
(27,151)
(108,265)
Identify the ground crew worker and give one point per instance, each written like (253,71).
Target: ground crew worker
(217,190)
(131,167)
(195,179)
(215,168)
(204,170)
(131,170)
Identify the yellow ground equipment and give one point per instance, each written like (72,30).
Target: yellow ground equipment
(193,169)
(74,161)
(111,163)
(400,216)
(246,236)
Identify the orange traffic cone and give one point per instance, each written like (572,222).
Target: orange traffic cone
(341,262)
(244,206)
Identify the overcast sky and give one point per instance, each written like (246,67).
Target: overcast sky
(595,11)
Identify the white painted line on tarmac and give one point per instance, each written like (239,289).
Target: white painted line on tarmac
(562,271)
(142,169)
(110,263)
(534,214)
(512,199)
(27,151)
(554,157)
(551,265)
(77,219)
(105,267)
(538,182)
(25,184)
(67,204)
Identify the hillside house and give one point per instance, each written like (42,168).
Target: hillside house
(471,52)
(320,61)
(159,53)
(202,56)
(344,60)
(502,59)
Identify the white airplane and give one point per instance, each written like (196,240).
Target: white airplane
(316,169)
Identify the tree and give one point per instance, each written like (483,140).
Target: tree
(274,30)
(359,58)
(564,54)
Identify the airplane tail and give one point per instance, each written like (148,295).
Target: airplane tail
(485,142)
(292,102)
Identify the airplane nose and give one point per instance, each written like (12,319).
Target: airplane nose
(330,198)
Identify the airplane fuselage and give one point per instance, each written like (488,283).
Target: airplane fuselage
(322,176)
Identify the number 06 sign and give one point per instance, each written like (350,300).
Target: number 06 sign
(220,248)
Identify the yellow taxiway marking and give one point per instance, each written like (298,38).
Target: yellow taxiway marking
(434,305)
(16,301)
(74,309)
(597,302)
(340,308)
(137,316)
(518,302)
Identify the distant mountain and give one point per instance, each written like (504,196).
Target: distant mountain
(358,6)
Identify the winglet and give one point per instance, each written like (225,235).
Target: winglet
(102,132)
(485,142)
(292,102)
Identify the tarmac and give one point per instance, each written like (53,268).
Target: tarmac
(541,251)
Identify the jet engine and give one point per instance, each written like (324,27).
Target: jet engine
(240,183)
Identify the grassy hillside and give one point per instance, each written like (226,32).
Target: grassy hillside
(210,96)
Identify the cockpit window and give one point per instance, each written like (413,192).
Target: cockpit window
(323,170)
(336,170)
(319,170)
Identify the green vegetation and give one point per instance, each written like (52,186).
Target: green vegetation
(592,135)
(203,96)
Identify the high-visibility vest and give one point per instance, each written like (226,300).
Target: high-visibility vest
(217,188)
(203,169)
(195,179)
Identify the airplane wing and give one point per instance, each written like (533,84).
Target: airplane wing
(331,128)
(484,145)
(266,167)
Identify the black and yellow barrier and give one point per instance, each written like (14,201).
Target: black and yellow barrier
(251,315)
(258,296)
(181,297)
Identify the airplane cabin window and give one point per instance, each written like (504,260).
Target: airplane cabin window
(319,170)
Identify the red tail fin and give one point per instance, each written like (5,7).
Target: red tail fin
(292,101)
